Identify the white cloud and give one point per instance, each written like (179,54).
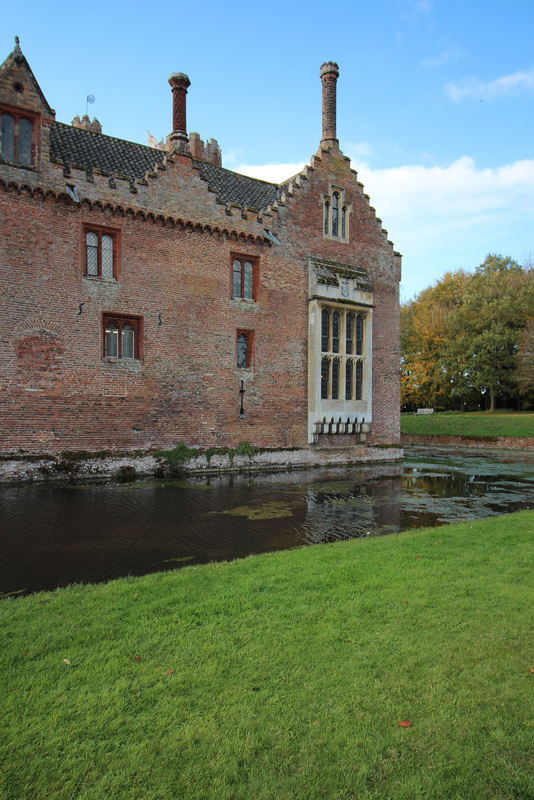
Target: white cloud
(274,173)
(443,217)
(506,85)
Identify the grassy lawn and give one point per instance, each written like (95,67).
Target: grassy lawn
(283,676)
(475,423)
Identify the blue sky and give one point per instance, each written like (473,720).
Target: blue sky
(435,100)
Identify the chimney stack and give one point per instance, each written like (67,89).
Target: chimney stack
(179,83)
(329,76)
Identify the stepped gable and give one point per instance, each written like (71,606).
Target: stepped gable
(231,187)
(89,150)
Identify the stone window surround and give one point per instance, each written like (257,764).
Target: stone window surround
(344,210)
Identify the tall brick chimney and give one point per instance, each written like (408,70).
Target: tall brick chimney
(329,76)
(179,83)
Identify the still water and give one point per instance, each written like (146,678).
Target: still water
(55,535)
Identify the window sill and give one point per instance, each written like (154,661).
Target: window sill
(244,301)
(123,364)
(18,165)
(99,279)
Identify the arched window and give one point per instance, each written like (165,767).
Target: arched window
(8,137)
(325,330)
(325,378)
(342,332)
(100,253)
(243,278)
(359,335)
(336,324)
(359,379)
(335,378)
(349,379)
(16,138)
(25,141)
(121,336)
(349,334)
(244,349)
(335,214)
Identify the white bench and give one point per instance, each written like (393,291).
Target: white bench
(425,411)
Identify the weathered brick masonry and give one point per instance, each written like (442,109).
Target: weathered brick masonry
(180,227)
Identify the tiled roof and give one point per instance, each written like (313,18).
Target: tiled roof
(88,150)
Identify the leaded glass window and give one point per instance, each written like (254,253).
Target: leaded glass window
(325,330)
(91,241)
(342,332)
(327,217)
(359,379)
(335,213)
(335,379)
(325,378)
(107,256)
(243,278)
(100,255)
(25,141)
(8,137)
(349,379)
(336,324)
(359,335)
(349,334)
(242,351)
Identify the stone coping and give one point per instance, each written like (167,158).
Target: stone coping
(493,442)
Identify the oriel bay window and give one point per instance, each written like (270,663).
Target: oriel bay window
(121,336)
(342,354)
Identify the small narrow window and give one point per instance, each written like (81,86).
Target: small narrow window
(325,377)
(325,331)
(336,322)
(349,379)
(107,256)
(359,335)
(327,217)
(91,242)
(242,351)
(343,222)
(8,137)
(247,282)
(349,334)
(359,379)
(335,213)
(128,341)
(25,141)
(112,340)
(335,379)
(236,286)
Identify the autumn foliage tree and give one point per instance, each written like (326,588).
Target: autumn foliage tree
(462,339)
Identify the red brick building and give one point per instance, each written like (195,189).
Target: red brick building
(142,289)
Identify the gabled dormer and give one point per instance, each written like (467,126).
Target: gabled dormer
(25,115)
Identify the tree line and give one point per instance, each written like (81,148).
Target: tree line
(468,341)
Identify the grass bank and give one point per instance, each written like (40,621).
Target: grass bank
(283,676)
(475,423)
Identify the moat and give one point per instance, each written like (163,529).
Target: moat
(56,535)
